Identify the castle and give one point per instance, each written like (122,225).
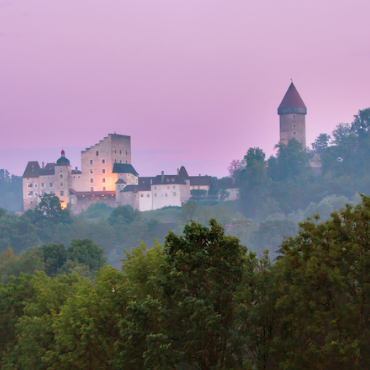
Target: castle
(108,176)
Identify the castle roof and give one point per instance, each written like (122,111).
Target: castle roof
(183,173)
(200,180)
(168,180)
(136,188)
(292,102)
(124,168)
(32,169)
(63,161)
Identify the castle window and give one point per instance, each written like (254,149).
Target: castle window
(174,193)
(61,193)
(42,185)
(91,180)
(61,169)
(30,185)
(91,170)
(126,152)
(51,184)
(61,184)
(97,153)
(103,179)
(103,161)
(30,193)
(148,195)
(155,194)
(174,187)
(126,161)
(293,124)
(115,161)
(103,170)
(61,176)
(142,195)
(104,189)
(293,115)
(35,194)
(91,161)
(115,151)
(294,132)
(120,152)
(120,161)
(92,189)
(165,194)
(35,185)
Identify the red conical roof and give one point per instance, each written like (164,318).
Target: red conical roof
(292,101)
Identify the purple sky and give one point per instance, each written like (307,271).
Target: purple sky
(193,82)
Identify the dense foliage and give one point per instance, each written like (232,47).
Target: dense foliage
(10,191)
(202,301)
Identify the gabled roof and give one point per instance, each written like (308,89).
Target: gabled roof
(32,169)
(200,180)
(168,180)
(49,169)
(183,173)
(120,181)
(136,188)
(292,102)
(124,168)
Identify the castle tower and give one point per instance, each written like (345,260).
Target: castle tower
(62,179)
(292,112)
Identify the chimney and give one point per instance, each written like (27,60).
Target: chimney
(151,181)
(43,164)
(76,168)
(162,176)
(200,175)
(178,172)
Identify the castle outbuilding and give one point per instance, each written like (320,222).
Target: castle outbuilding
(292,112)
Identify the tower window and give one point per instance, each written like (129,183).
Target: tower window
(92,189)
(61,176)
(103,170)
(103,161)
(91,170)
(103,179)
(91,161)
(294,132)
(61,193)
(97,152)
(91,180)
(120,152)
(293,124)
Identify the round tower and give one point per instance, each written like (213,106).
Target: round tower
(292,112)
(62,179)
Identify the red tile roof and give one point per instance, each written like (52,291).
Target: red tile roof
(292,102)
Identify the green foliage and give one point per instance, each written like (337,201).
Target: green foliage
(50,210)
(10,191)
(198,193)
(86,252)
(123,215)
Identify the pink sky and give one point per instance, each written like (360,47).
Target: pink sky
(193,82)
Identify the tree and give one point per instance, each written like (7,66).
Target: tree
(321,143)
(55,256)
(324,301)
(123,215)
(49,209)
(201,274)
(86,252)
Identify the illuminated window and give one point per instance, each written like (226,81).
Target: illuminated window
(61,193)
(91,170)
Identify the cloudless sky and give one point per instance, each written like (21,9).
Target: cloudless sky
(193,82)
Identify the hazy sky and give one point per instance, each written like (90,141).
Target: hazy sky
(193,82)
